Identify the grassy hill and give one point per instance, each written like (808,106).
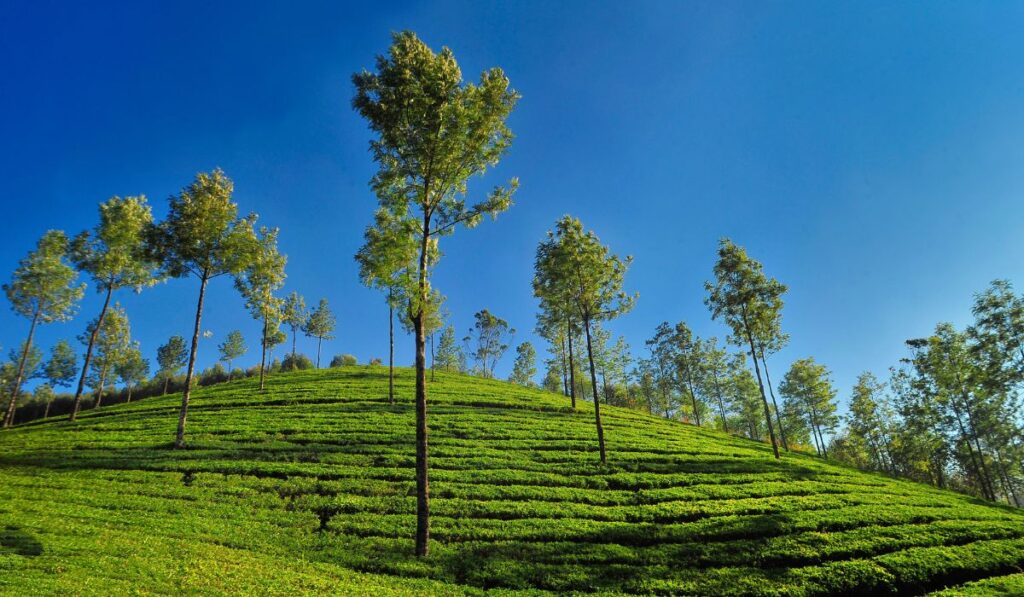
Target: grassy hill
(309,487)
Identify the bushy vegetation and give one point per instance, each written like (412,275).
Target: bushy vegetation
(310,486)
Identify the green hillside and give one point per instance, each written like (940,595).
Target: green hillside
(309,488)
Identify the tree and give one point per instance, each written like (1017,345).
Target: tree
(745,399)
(743,296)
(32,369)
(769,338)
(492,336)
(525,367)
(112,339)
(257,284)
(449,355)
(42,289)
(573,268)
(554,325)
(385,263)
(294,314)
(171,357)
(232,348)
(115,254)
(688,359)
(662,348)
(320,325)
(714,368)
(867,421)
(808,387)
(202,236)
(60,369)
(432,134)
(132,369)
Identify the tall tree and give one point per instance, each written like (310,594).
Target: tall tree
(171,357)
(525,367)
(432,134)
(112,339)
(386,260)
(867,420)
(257,283)
(492,335)
(769,339)
(320,325)
(808,386)
(32,369)
(132,369)
(688,362)
(294,315)
(232,348)
(743,296)
(573,268)
(202,236)
(115,254)
(663,356)
(60,369)
(42,289)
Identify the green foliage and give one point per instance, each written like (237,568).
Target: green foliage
(344,360)
(492,335)
(115,253)
(296,362)
(172,356)
(306,483)
(525,367)
(43,285)
(113,342)
(62,367)
(232,347)
(449,356)
(807,391)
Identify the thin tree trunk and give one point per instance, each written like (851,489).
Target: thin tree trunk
(391,353)
(760,385)
(693,397)
(816,427)
(565,376)
(179,441)
(721,403)
(319,343)
(970,450)
(293,345)
(129,394)
(167,381)
(778,414)
(572,370)
(88,354)
(977,444)
(597,401)
(103,382)
(9,417)
(263,355)
(422,452)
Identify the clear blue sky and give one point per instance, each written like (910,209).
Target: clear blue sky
(869,154)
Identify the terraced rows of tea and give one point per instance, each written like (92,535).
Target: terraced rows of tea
(309,488)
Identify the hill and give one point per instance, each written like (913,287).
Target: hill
(309,487)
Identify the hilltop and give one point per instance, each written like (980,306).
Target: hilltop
(309,487)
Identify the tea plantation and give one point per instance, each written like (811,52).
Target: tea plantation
(308,488)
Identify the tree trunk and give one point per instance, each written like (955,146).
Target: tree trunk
(721,403)
(319,343)
(179,441)
(391,353)
(760,385)
(970,449)
(167,382)
(565,374)
(604,385)
(572,370)
(977,444)
(778,413)
(263,355)
(103,382)
(422,459)
(432,367)
(9,417)
(129,394)
(88,355)
(693,397)
(816,428)
(593,383)
(46,412)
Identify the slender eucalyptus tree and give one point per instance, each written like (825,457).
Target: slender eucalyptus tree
(202,236)
(42,289)
(257,283)
(116,255)
(432,134)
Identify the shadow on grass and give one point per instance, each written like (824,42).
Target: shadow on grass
(15,540)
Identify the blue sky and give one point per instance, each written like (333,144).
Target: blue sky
(869,154)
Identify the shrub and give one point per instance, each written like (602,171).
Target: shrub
(215,374)
(296,362)
(344,360)
(376,362)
